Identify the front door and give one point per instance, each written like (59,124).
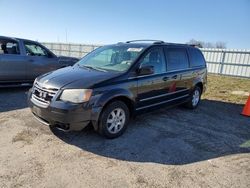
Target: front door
(152,89)
(39,60)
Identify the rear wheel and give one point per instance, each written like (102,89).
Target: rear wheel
(114,119)
(195,98)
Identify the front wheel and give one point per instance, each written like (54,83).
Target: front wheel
(114,119)
(194,98)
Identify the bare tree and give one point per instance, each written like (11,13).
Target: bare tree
(197,43)
(202,44)
(208,45)
(220,44)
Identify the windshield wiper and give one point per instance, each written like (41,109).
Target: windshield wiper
(94,68)
(87,66)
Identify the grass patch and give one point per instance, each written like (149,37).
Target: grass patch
(245,144)
(222,87)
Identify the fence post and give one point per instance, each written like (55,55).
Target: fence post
(60,47)
(80,50)
(222,62)
(69,50)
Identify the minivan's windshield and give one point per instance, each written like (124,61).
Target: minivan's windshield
(112,58)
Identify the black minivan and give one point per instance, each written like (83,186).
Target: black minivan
(115,82)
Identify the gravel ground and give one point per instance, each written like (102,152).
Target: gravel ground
(207,147)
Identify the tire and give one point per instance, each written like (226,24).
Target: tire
(195,98)
(114,120)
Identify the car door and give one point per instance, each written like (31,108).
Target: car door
(39,60)
(178,67)
(153,89)
(12,63)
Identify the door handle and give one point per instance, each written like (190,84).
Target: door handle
(174,77)
(169,77)
(31,60)
(165,78)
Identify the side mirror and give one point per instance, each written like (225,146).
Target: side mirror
(146,70)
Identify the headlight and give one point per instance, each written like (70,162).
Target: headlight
(76,95)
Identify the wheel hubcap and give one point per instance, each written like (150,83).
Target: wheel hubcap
(196,97)
(116,120)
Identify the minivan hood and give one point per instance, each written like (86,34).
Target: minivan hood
(74,77)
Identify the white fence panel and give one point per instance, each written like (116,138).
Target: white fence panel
(219,61)
(228,62)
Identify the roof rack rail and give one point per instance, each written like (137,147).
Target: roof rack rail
(147,40)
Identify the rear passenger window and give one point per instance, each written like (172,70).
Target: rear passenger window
(196,58)
(176,59)
(9,47)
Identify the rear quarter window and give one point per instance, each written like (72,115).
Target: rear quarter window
(196,57)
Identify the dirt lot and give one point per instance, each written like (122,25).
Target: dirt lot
(208,147)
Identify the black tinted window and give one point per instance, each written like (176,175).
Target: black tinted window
(196,57)
(176,59)
(155,58)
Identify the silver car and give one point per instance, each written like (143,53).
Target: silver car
(21,61)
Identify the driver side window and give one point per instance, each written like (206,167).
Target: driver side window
(155,58)
(35,50)
(104,57)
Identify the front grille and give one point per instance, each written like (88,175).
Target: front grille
(42,94)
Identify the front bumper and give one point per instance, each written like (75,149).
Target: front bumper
(63,115)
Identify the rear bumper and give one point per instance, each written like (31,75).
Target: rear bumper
(63,115)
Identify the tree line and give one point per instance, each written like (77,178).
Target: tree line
(202,44)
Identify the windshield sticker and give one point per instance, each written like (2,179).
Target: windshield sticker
(134,49)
